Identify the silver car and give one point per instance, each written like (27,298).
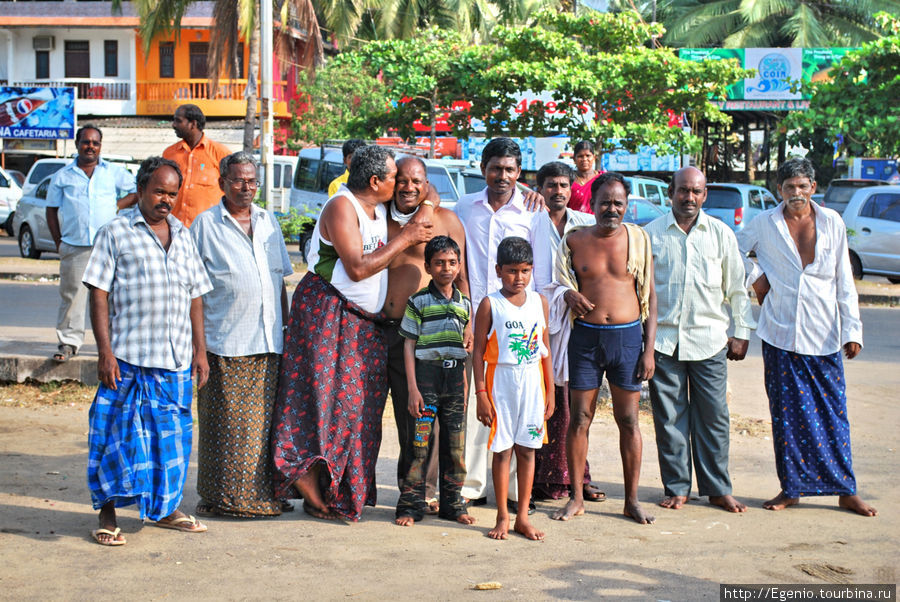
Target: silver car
(30,222)
(872,218)
(737,204)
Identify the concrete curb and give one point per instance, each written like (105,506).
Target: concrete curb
(20,368)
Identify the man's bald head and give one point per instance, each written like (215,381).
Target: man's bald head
(684,172)
(688,193)
(412,183)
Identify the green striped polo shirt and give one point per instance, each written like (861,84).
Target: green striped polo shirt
(437,323)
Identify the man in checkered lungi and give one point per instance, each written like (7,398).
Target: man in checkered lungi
(145,279)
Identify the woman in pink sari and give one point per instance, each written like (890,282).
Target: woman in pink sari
(585,163)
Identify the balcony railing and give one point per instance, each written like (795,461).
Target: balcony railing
(88,88)
(201,89)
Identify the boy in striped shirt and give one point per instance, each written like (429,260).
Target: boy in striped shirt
(438,338)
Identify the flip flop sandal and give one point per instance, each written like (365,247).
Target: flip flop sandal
(188,524)
(115,541)
(434,507)
(592,494)
(206,510)
(65,353)
(286,506)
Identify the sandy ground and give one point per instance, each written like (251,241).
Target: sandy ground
(46,551)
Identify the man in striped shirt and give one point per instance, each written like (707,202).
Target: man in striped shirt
(697,267)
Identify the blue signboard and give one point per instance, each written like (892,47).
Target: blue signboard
(37,113)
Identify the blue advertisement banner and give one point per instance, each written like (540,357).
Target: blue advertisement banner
(37,113)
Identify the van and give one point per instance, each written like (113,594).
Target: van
(653,189)
(283,178)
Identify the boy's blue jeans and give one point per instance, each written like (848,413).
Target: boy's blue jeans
(443,390)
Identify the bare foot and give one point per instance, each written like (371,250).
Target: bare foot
(855,503)
(465,519)
(634,511)
(108,523)
(524,527)
(674,502)
(404,521)
(501,531)
(780,502)
(572,508)
(727,502)
(307,486)
(318,512)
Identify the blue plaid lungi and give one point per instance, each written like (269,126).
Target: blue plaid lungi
(810,428)
(140,440)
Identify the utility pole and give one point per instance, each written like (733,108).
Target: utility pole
(266,122)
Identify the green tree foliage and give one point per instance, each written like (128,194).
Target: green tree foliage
(859,107)
(599,63)
(770,23)
(342,102)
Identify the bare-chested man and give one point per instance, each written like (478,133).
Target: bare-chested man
(406,275)
(609,269)
(809,312)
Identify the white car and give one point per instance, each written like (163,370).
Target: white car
(872,218)
(10,193)
(30,223)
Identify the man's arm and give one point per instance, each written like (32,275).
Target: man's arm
(127,201)
(456,231)
(647,365)
(542,246)
(284,303)
(107,365)
(547,365)
(52,215)
(748,240)
(199,365)
(483,322)
(340,225)
(416,403)
(736,293)
(847,298)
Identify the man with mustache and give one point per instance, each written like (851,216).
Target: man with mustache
(697,267)
(82,197)
(551,472)
(809,313)
(146,279)
(608,270)
(406,275)
(498,211)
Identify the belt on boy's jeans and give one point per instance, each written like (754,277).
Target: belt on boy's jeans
(443,363)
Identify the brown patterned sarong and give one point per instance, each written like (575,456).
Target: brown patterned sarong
(551,470)
(234,410)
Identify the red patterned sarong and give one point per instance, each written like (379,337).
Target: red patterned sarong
(331,397)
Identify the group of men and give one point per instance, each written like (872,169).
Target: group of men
(291,402)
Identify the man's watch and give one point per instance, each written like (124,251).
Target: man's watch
(427,203)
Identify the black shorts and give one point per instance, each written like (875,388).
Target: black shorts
(611,348)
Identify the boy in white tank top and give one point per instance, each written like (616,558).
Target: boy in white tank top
(513,378)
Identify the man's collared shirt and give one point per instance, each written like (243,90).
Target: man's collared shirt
(812,310)
(200,170)
(485,228)
(695,274)
(242,314)
(573,218)
(86,204)
(150,290)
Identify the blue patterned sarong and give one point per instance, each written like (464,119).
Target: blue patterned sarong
(810,428)
(140,440)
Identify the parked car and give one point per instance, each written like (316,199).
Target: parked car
(10,193)
(737,204)
(873,231)
(40,170)
(652,189)
(841,190)
(17,175)
(30,223)
(283,168)
(642,212)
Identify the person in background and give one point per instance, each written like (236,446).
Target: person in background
(586,166)
(348,148)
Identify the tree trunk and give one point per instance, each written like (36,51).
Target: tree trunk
(252,86)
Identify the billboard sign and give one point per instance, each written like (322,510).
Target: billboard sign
(37,113)
(779,71)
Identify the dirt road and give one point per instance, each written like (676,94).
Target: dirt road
(46,551)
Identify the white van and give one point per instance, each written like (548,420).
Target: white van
(283,168)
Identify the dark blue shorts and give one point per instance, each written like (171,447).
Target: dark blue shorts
(611,348)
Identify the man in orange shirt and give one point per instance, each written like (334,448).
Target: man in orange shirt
(198,157)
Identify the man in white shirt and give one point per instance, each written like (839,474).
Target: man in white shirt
(809,313)
(551,471)
(697,268)
(489,216)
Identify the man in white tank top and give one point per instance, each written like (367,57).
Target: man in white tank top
(334,377)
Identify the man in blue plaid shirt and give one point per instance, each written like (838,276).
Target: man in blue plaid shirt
(145,278)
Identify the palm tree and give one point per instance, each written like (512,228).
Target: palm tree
(235,19)
(773,23)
